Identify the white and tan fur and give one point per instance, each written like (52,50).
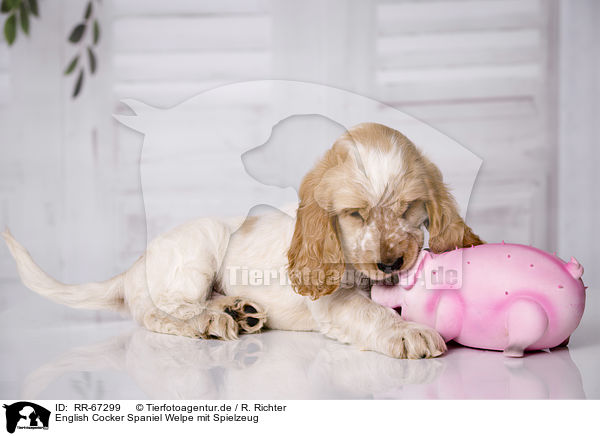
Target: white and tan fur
(361,215)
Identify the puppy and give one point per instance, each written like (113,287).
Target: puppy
(361,218)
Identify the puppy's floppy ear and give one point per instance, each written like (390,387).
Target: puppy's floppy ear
(447,230)
(315,258)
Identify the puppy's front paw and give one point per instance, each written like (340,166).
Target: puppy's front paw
(415,341)
(249,315)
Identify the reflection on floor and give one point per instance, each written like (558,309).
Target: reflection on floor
(51,352)
(292,365)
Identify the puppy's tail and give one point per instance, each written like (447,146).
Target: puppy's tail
(103,295)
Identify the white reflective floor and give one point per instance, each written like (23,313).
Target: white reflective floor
(53,353)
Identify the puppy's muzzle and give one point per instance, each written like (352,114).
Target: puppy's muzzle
(393,267)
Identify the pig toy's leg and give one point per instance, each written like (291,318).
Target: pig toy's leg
(526,323)
(449,317)
(563,343)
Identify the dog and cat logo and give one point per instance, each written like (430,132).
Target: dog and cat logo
(26,415)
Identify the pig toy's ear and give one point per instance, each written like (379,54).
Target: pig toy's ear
(574,268)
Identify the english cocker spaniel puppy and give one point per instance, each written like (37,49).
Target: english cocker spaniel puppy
(361,216)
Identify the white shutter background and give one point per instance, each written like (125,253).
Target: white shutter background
(167,52)
(479,71)
(4,73)
(7,169)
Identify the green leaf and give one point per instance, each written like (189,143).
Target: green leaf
(96,32)
(24,19)
(78,84)
(33,7)
(10,29)
(13,4)
(77,33)
(88,11)
(72,65)
(92,59)
(5,7)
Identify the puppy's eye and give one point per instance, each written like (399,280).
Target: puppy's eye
(408,209)
(415,211)
(356,214)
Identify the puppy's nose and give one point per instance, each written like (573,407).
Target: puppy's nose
(387,268)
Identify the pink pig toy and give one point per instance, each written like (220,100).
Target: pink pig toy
(495,296)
